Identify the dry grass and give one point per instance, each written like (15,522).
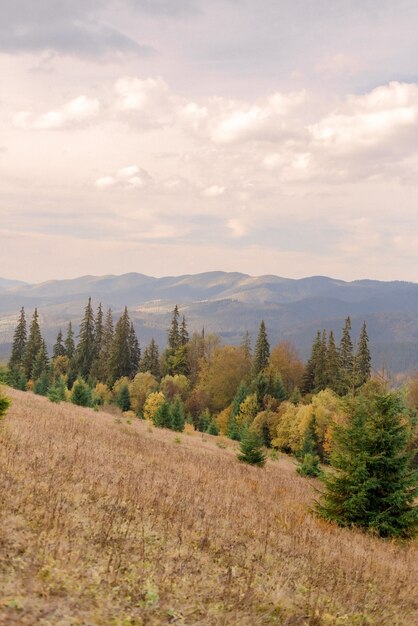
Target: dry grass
(106,523)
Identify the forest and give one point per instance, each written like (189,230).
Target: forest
(331,411)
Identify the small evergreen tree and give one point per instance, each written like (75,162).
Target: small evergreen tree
(41,362)
(373,485)
(81,393)
(308,454)
(56,393)
(212,428)
(174,333)
(233,429)
(41,384)
(134,351)
(177,415)
(184,335)
(123,400)
(4,405)
(332,363)
(251,449)
(162,418)
(262,350)
(102,367)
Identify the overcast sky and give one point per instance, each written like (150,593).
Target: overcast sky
(178,136)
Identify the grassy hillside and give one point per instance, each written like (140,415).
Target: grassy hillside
(108,523)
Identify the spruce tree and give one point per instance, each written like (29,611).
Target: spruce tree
(241,394)
(124,400)
(363,359)
(320,373)
(59,348)
(151,360)
(251,449)
(134,351)
(69,342)
(19,342)
(98,331)
(84,353)
(373,485)
(120,363)
(346,361)
(33,345)
(81,393)
(177,415)
(332,363)
(162,417)
(41,362)
(310,373)
(4,405)
(262,350)
(56,393)
(308,454)
(184,335)
(102,369)
(174,333)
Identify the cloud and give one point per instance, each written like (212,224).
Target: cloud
(214,191)
(75,27)
(148,102)
(127,178)
(75,113)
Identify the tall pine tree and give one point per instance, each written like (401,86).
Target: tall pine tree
(59,348)
(262,350)
(151,360)
(19,342)
(69,342)
(120,363)
(363,359)
(346,361)
(33,345)
(84,354)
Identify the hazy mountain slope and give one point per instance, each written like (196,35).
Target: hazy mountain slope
(230,304)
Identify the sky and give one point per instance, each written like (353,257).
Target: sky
(173,137)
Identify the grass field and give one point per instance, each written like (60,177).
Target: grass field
(105,522)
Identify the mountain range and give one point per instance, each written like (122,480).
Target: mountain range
(230,304)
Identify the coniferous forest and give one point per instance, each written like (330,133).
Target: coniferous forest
(330,412)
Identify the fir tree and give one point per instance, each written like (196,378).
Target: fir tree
(320,372)
(59,348)
(241,394)
(41,362)
(98,331)
(69,342)
(177,415)
(120,356)
(84,353)
(81,393)
(363,359)
(102,369)
(162,418)
(33,345)
(332,363)
(262,350)
(251,449)
(134,351)
(309,376)
(372,485)
(4,405)
(41,385)
(19,342)
(123,400)
(174,333)
(308,454)
(151,360)
(56,393)
(212,428)
(184,335)
(346,361)
(246,345)
(233,431)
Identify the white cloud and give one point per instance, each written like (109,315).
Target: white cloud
(238,227)
(214,191)
(148,102)
(76,112)
(125,178)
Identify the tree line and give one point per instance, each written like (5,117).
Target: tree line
(327,412)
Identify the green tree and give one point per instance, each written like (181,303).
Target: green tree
(123,400)
(81,393)
(174,340)
(59,348)
(33,345)
(363,359)
(177,415)
(19,342)
(332,363)
(372,484)
(346,361)
(310,376)
(120,355)
(56,393)
(184,335)
(41,362)
(4,405)
(102,366)
(151,360)
(251,448)
(262,350)
(84,353)
(69,342)
(162,417)
(134,351)
(308,453)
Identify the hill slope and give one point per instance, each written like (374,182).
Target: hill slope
(103,522)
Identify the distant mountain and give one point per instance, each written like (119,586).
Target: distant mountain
(230,304)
